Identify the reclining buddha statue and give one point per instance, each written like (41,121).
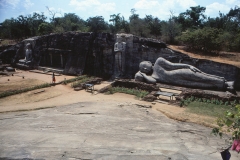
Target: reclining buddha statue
(164,71)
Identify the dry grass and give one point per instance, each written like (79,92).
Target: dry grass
(19,84)
(6,42)
(232,58)
(190,117)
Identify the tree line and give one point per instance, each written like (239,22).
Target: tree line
(191,28)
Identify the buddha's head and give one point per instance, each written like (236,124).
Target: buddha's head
(28,45)
(145,67)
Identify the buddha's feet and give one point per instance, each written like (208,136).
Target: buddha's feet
(230,86)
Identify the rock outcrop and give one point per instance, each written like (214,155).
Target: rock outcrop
(79,53)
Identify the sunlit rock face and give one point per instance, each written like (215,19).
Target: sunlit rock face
(106,55)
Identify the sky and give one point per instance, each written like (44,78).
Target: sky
(90,8)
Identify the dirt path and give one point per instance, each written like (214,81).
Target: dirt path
(61,95)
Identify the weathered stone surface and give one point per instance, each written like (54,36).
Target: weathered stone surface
(104,131)
(149,98)
(88,53)
(10,69)
(187,93)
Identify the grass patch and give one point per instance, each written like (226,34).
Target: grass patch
(208,107)
(136,92)
(10,93)
(74,79)
(80,81)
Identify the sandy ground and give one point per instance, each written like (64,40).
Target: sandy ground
(61,95)
(223,57)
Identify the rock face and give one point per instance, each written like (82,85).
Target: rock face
(88,53)
(105,130)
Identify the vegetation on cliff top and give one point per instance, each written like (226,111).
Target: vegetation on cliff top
(191,28)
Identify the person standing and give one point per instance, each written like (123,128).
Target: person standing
(53,78)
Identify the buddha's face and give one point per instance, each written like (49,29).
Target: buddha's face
(145,67)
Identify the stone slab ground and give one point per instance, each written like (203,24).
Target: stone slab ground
(104,130)
(60,123)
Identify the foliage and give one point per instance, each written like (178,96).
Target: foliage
(45,28)
(118,24)
(192,27)
(136,92)
(206,39)
(96,24)
(22,26)
(154,25)
(139,27)
(71,22)
(80,81)
(170,30)
(73,79)
(10,93)
(193,18)
(229,122)
(134,16)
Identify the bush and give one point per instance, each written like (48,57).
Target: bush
(136,92)
(229,122)
(79,82)
(74,79)
(206,39)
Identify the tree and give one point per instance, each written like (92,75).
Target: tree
(170,29)
(192,18)
(134,16)
(125,25)
(234,15)
(139,27)
(33,21)
(119,24)
(206,39)
(71,22)
(96,24)
(53,19)
(6,28)
(45,28)
(154,25)
(116,19)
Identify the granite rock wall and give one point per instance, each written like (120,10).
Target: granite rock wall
(79,53)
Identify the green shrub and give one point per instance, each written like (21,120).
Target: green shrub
(230,121)
(136,92)
(73,79)
(79,82)
(206,39)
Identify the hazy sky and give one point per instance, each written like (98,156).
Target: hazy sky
(90,8)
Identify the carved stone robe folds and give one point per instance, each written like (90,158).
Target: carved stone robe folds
(181,74)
